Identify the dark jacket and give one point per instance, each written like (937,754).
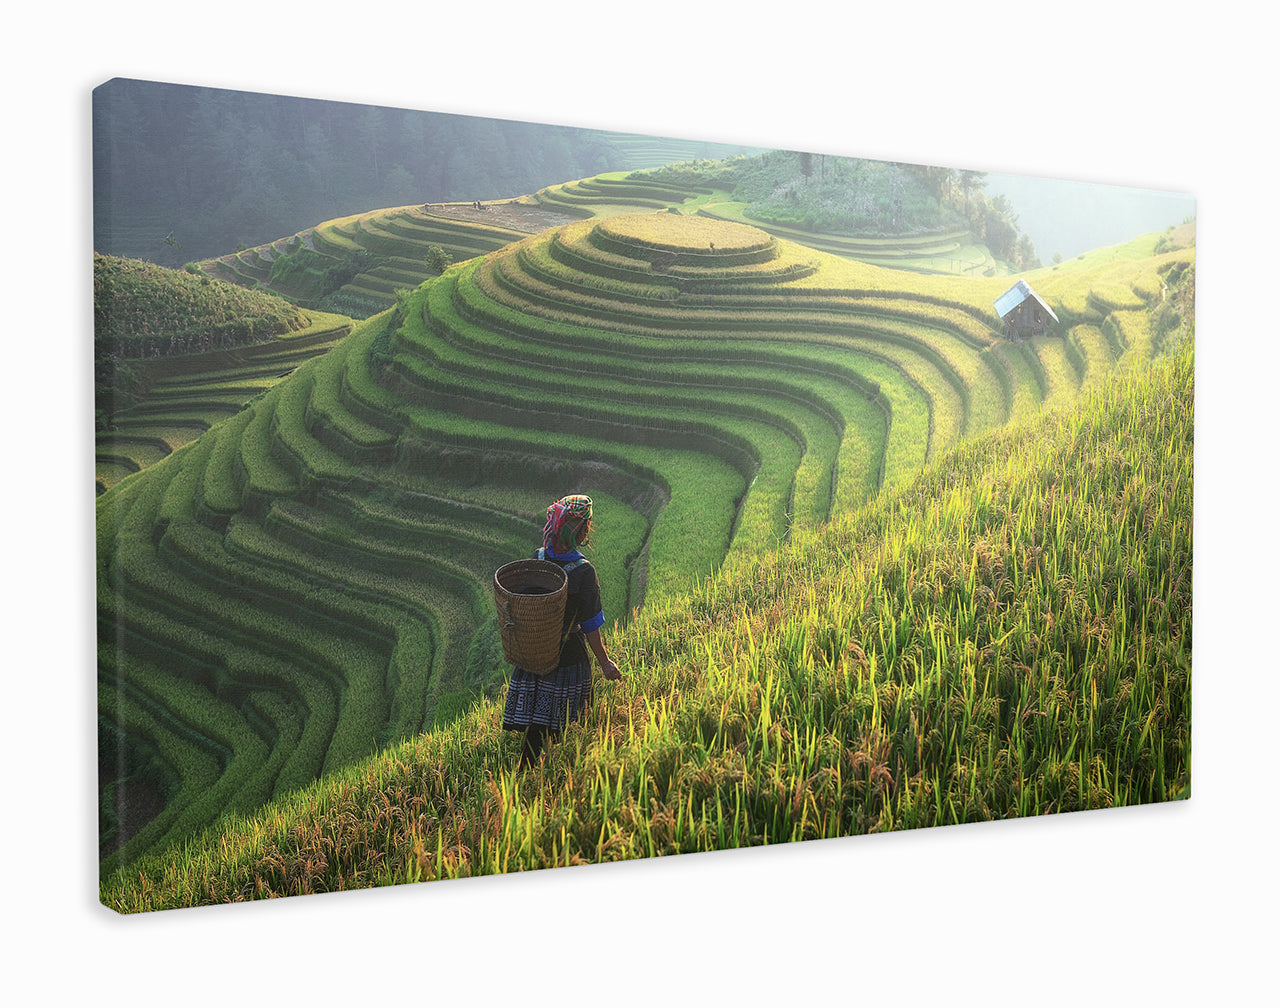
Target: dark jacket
(582,609)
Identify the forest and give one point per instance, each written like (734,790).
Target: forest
(857,196)
(181,172)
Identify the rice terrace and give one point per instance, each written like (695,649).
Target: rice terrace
(870,561)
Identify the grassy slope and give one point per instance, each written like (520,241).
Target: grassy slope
(220,345)
(178,398)
(851,274)
(1007,634)
(928,254)
(134,300)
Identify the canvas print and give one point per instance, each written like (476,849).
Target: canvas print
(478,496)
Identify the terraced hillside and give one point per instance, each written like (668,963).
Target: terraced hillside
(175,352)
(618,193)
(187,394)
(310,579)
(392,244)
(946,251)
(636,150)
(1007,634)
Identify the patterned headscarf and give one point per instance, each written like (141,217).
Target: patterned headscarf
(568,524)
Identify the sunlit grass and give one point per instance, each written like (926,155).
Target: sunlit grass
(377,488)
(1007,635)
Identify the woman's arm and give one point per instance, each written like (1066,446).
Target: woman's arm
(607,665)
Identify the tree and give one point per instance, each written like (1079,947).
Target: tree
(319,156)
(371,128)
(939,182)
(1002,237)
(1027,253)
(969,182)
(437,259)
(944,180)
(399,186)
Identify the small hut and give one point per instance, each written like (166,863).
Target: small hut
(1024,312)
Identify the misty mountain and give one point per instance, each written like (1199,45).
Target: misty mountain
(1073,217)
(183,173)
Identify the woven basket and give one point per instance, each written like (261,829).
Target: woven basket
(530,597)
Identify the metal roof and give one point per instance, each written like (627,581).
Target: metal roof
(1015,295)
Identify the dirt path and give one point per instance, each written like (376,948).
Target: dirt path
(509,214)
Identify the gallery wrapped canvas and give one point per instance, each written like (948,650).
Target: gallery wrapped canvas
(871,481)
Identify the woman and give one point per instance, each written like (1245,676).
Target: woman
(540,706)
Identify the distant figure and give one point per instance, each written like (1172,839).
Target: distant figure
(540,706)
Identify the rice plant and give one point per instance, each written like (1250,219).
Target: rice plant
(851,594)
(1008,634)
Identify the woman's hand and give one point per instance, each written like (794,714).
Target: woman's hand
(607,665)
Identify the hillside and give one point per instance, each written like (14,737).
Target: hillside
(188,172)
(357,265)
(308,581)
(1006,634)
(931,240)
(144,310)
(175,353)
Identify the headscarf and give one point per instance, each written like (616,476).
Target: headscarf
(568,524)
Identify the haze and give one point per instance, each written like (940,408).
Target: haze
(1069,217)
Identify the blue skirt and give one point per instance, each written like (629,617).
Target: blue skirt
(550,701)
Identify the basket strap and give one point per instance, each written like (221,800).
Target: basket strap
(542,555)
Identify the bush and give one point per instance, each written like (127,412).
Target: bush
(144,310)
(314,275)
(437,260)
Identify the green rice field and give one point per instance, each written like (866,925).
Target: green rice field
(868,564)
